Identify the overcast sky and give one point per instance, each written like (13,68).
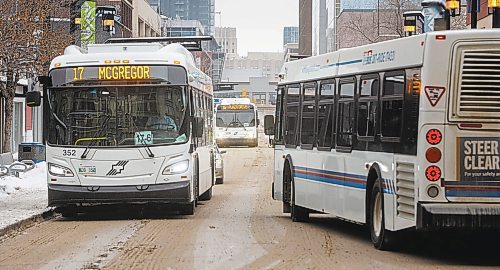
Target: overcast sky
(259,23)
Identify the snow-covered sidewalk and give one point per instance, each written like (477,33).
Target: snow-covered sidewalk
(23,197)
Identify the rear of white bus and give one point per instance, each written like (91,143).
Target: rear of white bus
(459,136)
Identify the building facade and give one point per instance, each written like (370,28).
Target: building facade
(181,28)
(254,76)
(319,25)
(340,24)
(290,35)
(484,18)
(146,22)
(200,10)
(305,27)
(227,39)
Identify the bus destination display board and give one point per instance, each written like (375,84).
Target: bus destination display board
(235,107)
(172,74)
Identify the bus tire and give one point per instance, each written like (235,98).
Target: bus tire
(219,181)
(188,209)
(298,213)
(68,212)
(207,195)
(196,181)
(382,239)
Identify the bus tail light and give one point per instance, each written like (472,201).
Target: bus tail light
(434,136)
(433,155)
(433,173)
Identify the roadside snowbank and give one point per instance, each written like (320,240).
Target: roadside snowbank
(23,197)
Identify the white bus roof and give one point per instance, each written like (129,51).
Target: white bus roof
(134,53)
(388,55)
(227,101)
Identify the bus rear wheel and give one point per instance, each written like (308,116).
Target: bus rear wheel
(381,237)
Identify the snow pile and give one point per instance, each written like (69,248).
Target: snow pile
(23,197)
(33,180)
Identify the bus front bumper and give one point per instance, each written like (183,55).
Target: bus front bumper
(236,141)
(63,195)
(458,216)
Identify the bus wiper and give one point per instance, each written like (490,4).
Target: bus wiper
(148,150)
(94,138)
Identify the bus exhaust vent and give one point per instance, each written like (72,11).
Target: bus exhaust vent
(479,94)
(405,190)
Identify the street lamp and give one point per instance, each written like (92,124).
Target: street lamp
(495,5)
(410,21)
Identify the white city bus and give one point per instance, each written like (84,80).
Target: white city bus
(128,123)
(236,121)
(399,134)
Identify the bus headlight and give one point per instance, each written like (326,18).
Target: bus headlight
(57,170)
(176,168)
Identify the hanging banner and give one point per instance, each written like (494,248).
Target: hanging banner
(88,15)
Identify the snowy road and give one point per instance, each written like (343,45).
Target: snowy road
(241,227)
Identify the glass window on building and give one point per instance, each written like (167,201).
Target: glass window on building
(259,98)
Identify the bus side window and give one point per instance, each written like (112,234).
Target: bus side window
(367,107)
(325,130)
(308,115)
(345,113)
(392,106)
(279,117)
(292,100)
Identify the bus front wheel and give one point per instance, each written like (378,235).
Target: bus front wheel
(381,237)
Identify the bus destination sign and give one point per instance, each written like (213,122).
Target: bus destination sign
(235,107)
(111,73)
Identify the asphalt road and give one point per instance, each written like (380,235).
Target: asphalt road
(240,228)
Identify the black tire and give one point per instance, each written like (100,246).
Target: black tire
(219,181)
(68,212)
(207,195)
(196,182)
(382,239)
(188,209)
(286,208)
(298,213)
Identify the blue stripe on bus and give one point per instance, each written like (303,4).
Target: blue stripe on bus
(339,178)
(472,193)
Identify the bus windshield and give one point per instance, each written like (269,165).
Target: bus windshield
(117,116)
(227,119)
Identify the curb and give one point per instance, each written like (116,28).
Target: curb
(26,223)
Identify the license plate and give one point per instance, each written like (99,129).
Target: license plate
(87,170)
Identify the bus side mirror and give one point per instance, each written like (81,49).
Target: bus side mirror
(33,99)
(269,125)
(198,124)
(258,122)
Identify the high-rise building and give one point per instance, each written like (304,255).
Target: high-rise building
(200,10)
(305,27)
(319,26)
(226,38)
(290,35)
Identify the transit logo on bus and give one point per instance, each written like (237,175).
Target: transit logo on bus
(479,159)
(369,57)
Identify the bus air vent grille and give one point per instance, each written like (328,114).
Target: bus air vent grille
(405,190)
(479,95)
